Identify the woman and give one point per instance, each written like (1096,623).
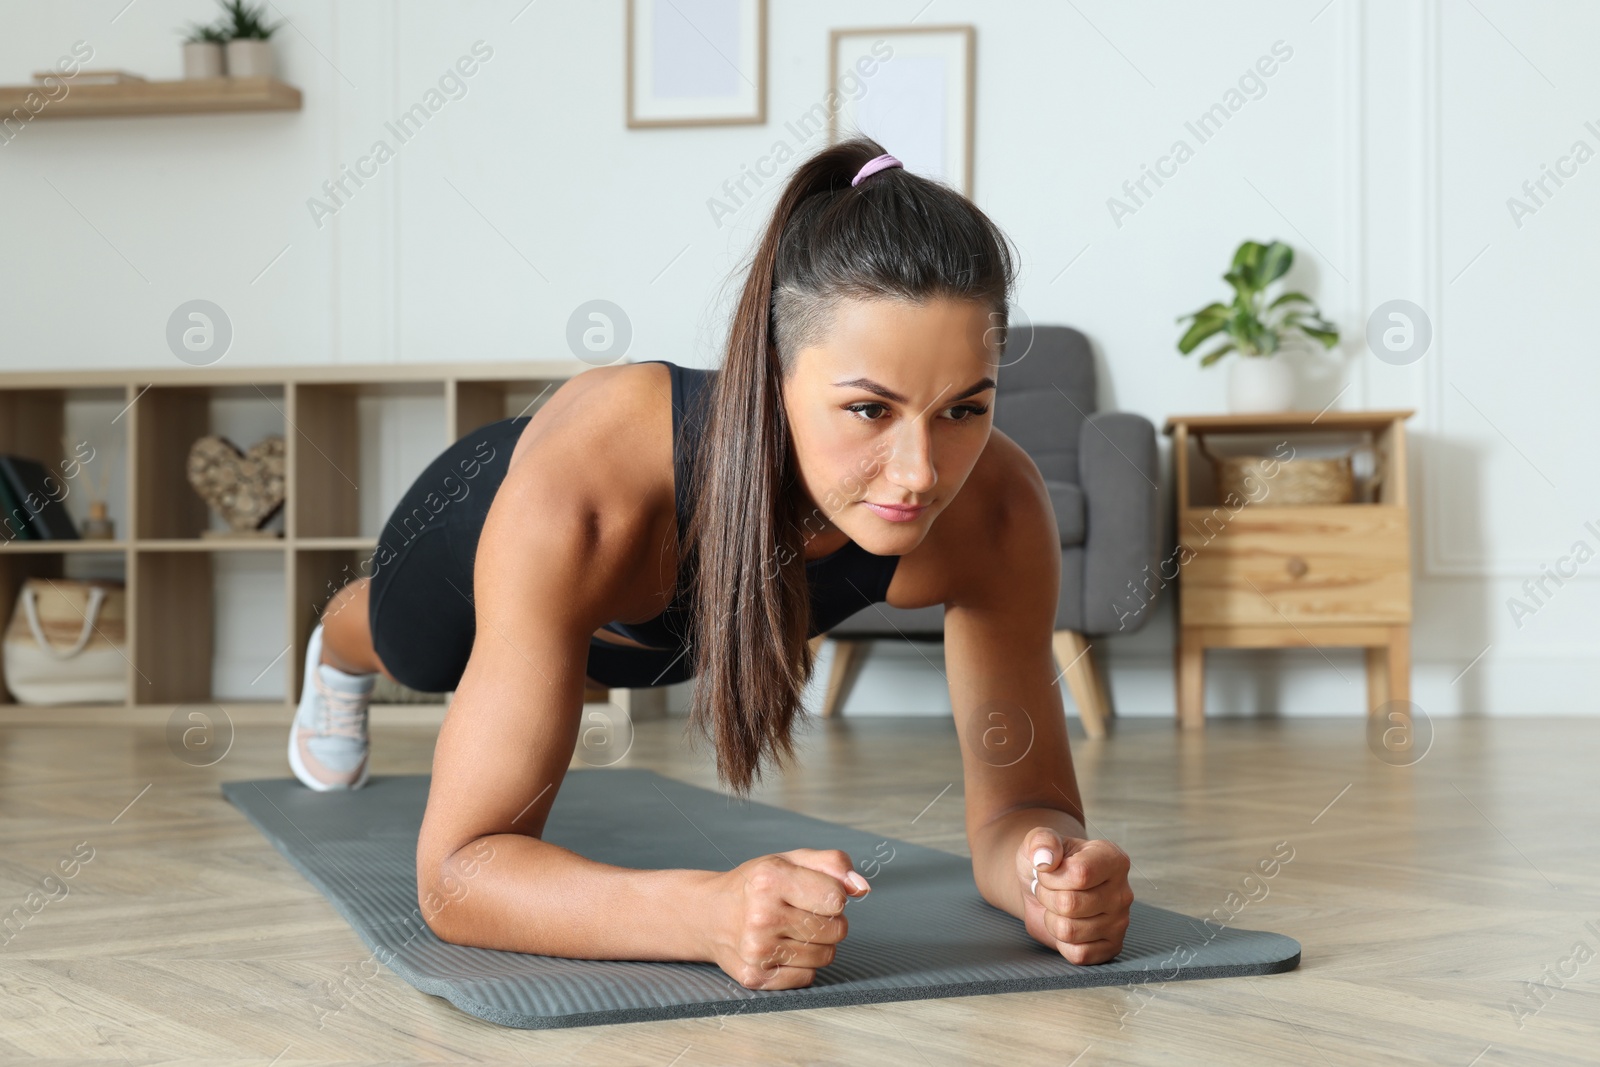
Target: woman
(653,523)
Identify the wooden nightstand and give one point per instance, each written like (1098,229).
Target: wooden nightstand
(1251,575)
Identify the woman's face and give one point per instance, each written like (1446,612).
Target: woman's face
(891,411)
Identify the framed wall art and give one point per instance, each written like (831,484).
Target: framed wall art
(696,63)
(911,89)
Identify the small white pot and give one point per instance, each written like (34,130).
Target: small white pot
(249,59)
(1260,384)
(202,59)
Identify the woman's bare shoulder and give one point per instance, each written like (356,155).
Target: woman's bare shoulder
(596,457)
(592,408)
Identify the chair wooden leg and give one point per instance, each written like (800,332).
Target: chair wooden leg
(1102,688)
(816,644)
(846,661)
(1073,655)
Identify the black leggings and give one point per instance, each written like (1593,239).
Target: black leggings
(420,605)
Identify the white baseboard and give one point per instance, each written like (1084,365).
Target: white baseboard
(906,679)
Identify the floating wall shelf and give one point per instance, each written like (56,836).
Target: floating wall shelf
(191,96)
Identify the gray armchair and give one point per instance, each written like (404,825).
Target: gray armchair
(1102,471)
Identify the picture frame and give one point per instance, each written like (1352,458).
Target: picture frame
(696,63)
(919,103)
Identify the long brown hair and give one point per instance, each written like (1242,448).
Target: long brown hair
(896,235)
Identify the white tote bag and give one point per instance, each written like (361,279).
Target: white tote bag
(67,643)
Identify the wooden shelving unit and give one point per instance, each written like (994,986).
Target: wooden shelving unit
(166,563)
(190,96)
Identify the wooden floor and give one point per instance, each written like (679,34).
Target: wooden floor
(1426,897)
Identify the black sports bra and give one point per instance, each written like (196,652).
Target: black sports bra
(841,583)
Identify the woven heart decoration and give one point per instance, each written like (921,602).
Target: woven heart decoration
(245,488)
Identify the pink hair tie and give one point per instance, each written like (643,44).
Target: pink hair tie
(873,166)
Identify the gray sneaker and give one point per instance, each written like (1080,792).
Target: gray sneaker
(328,744)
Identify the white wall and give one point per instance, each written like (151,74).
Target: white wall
(1384,149)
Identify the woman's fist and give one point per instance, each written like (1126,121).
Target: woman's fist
(1075,894)
(777,918)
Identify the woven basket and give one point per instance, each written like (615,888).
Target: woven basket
(1287,482)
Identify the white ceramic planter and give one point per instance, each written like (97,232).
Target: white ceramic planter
(1260,383)
(202,59)
(249,59)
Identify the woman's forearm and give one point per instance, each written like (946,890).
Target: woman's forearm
(521,894)
(994,850)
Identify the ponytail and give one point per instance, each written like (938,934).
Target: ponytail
(895,235)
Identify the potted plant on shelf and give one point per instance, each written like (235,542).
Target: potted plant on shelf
(202,51)
(1256,329)
(249,44)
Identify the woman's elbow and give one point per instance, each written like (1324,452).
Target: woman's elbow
(437,910)
(439,900)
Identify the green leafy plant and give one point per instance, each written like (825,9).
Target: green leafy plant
(241,22)
(197,33)
(1251,326)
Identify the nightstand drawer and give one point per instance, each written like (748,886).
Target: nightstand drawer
(1266,566)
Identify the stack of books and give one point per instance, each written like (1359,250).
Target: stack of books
(32,502)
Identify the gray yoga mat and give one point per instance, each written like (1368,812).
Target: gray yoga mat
(922,932)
